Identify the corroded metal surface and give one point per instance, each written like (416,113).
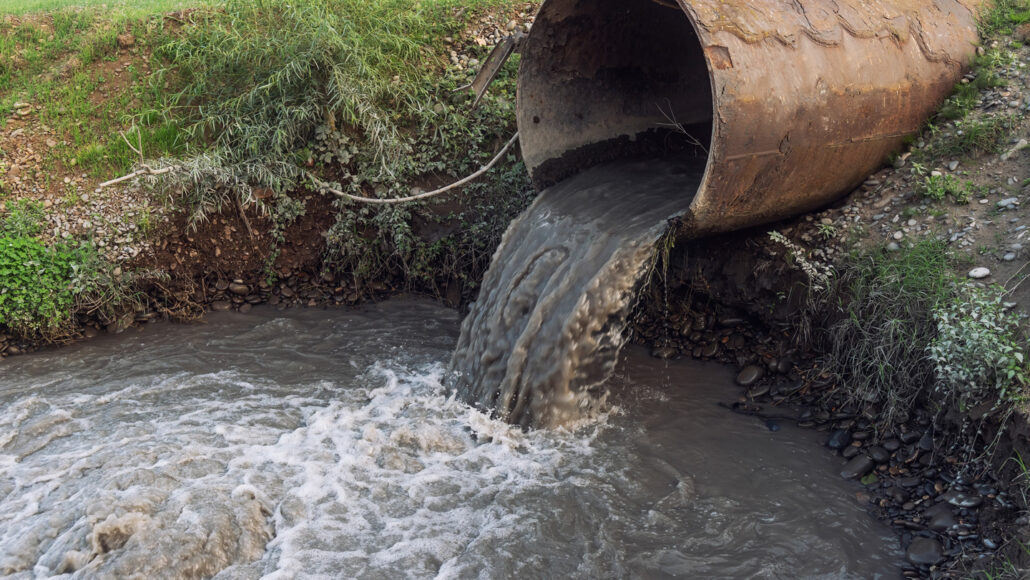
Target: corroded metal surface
(795,101)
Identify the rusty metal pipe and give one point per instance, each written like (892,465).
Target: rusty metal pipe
(793,102)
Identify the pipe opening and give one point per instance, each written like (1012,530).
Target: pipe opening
(610,80)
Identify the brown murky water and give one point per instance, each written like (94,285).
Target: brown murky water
(323,444)
(547,327)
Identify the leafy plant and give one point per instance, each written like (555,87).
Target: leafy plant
(976,353)
(36,297)
(22,218)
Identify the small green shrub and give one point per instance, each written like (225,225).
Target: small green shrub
(36,296)
(977,354)
(22,218)
(938,187)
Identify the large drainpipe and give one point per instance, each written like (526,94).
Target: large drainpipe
(793,102)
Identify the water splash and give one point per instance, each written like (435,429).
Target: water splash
(548,325)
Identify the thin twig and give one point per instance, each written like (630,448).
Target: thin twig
(673,123)
(325,186)
(146,170)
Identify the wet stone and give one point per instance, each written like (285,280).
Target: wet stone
(757,391)
(909,481)
(942,521)
(860,435)
(963,500)
(221,305)
(222,285)
(857,467)
(749,375)
(710,350)
(909,437)
(839,439)
(850,451)
(879,454)
(924,551)
(239,289)
(892,445)
(926,442)
(664,352)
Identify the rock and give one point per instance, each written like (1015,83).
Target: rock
(952,166)
(13,350)
(879,454)
(942,520)
(664,352)
(222,285)
(757,391)
(857,467)
(925,442)
(1009,201)
(898,236)
(749,375)
(962,500)
(850,451)
(710,350)
(893,247)
(839,439)
(979,273)
(221,305)
(90,332)
(239,289)
(126,41)
(1009,257)
(924,551)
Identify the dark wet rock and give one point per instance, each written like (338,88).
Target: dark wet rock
(730,321)
(898,495)
(246,307)
(758,391)
(962,500)
(664,352)
(710,350)
(892,445)
(222,285)
(861,435)
(90,332)
(239,289)
(785,365)
(941,521)
(909,437)
(909,481)
(13,350)
(879,454)
(857,467)
(839,439)
(772,425)
(749,375)
(221,305)
(850,451)
(926,442)
(924,551)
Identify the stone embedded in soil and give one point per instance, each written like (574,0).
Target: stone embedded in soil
(979,273)
(749,374)
(924,551)
(839,439)
(857,467)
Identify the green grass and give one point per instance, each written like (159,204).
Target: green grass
(125,8)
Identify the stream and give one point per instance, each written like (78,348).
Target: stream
(324,444)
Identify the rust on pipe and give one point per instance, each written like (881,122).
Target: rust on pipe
(793,102)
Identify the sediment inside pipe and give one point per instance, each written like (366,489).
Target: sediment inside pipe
(609,80)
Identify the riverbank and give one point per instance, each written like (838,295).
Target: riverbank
(834,317)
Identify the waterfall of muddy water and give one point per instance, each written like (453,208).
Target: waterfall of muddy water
(313,444)
(547,327)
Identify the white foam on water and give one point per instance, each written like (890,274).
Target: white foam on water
(160,458)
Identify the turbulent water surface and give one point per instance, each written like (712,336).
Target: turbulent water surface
(547,327)
(314,444)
